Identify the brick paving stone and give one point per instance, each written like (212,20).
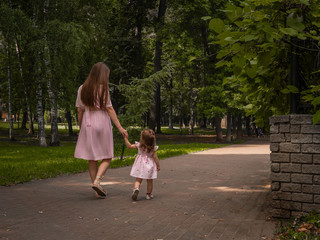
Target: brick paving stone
(216,194)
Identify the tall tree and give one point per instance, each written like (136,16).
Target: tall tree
(9,87)
(155,112)
(7,25)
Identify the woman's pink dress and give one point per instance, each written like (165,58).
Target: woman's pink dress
(95,140)
(144,166)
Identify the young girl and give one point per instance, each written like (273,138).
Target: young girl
(95,141)
(146,164)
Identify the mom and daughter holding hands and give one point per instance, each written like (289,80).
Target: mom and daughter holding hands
(95,140)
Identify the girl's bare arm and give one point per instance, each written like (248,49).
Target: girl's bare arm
(116,122)
(156,159)
(80,116)
(128,144)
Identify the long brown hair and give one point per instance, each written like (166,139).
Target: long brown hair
(95,89)
(147,140)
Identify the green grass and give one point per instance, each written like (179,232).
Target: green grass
(63,128)
(303,228)
(23,162)
(185,131)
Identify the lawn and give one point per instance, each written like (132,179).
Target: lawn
(23,160)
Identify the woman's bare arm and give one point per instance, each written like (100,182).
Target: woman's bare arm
(116,122)
(80,116)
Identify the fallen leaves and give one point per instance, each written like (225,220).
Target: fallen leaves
(305,227)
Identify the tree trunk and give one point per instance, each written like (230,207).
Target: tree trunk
(234,128)
(239,128)
(24,120)
(203,122)
(191,122)
(217,123)
(155,113)
(228,134)
(294,80)
(40,112)
(69,119)
(54,138)
(248,126)
(9,89)
(30,119)
(139,26)
(171,105)
(26,92)
(39,95)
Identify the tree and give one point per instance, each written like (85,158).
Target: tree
(155,112)
(262,41)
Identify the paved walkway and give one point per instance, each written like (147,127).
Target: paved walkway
(216,194)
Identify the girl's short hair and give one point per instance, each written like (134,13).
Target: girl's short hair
(147,140)
(95,89)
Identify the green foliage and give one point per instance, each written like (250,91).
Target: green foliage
(139,95)
(257,43)
(217,25)
(303,228)
(312,95)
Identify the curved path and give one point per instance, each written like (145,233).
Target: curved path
(216,194)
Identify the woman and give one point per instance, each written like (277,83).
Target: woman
(95,141)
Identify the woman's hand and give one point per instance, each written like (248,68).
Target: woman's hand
(124,132)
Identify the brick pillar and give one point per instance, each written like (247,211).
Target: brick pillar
(295,165)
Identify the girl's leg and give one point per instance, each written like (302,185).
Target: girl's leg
(135,192)
(93,169)
(149,185)
(137,183)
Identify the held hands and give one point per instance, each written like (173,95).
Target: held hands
(124,132)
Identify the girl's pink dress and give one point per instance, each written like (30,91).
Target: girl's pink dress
(95,140)
(144,166)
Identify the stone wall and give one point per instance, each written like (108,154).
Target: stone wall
(295,165)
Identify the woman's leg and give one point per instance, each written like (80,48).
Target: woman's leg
(93,169)
(149,185)
(103,167)
(99,174)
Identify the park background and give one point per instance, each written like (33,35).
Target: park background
(174,64)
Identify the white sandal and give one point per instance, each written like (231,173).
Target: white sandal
(135,193)
(96,186)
